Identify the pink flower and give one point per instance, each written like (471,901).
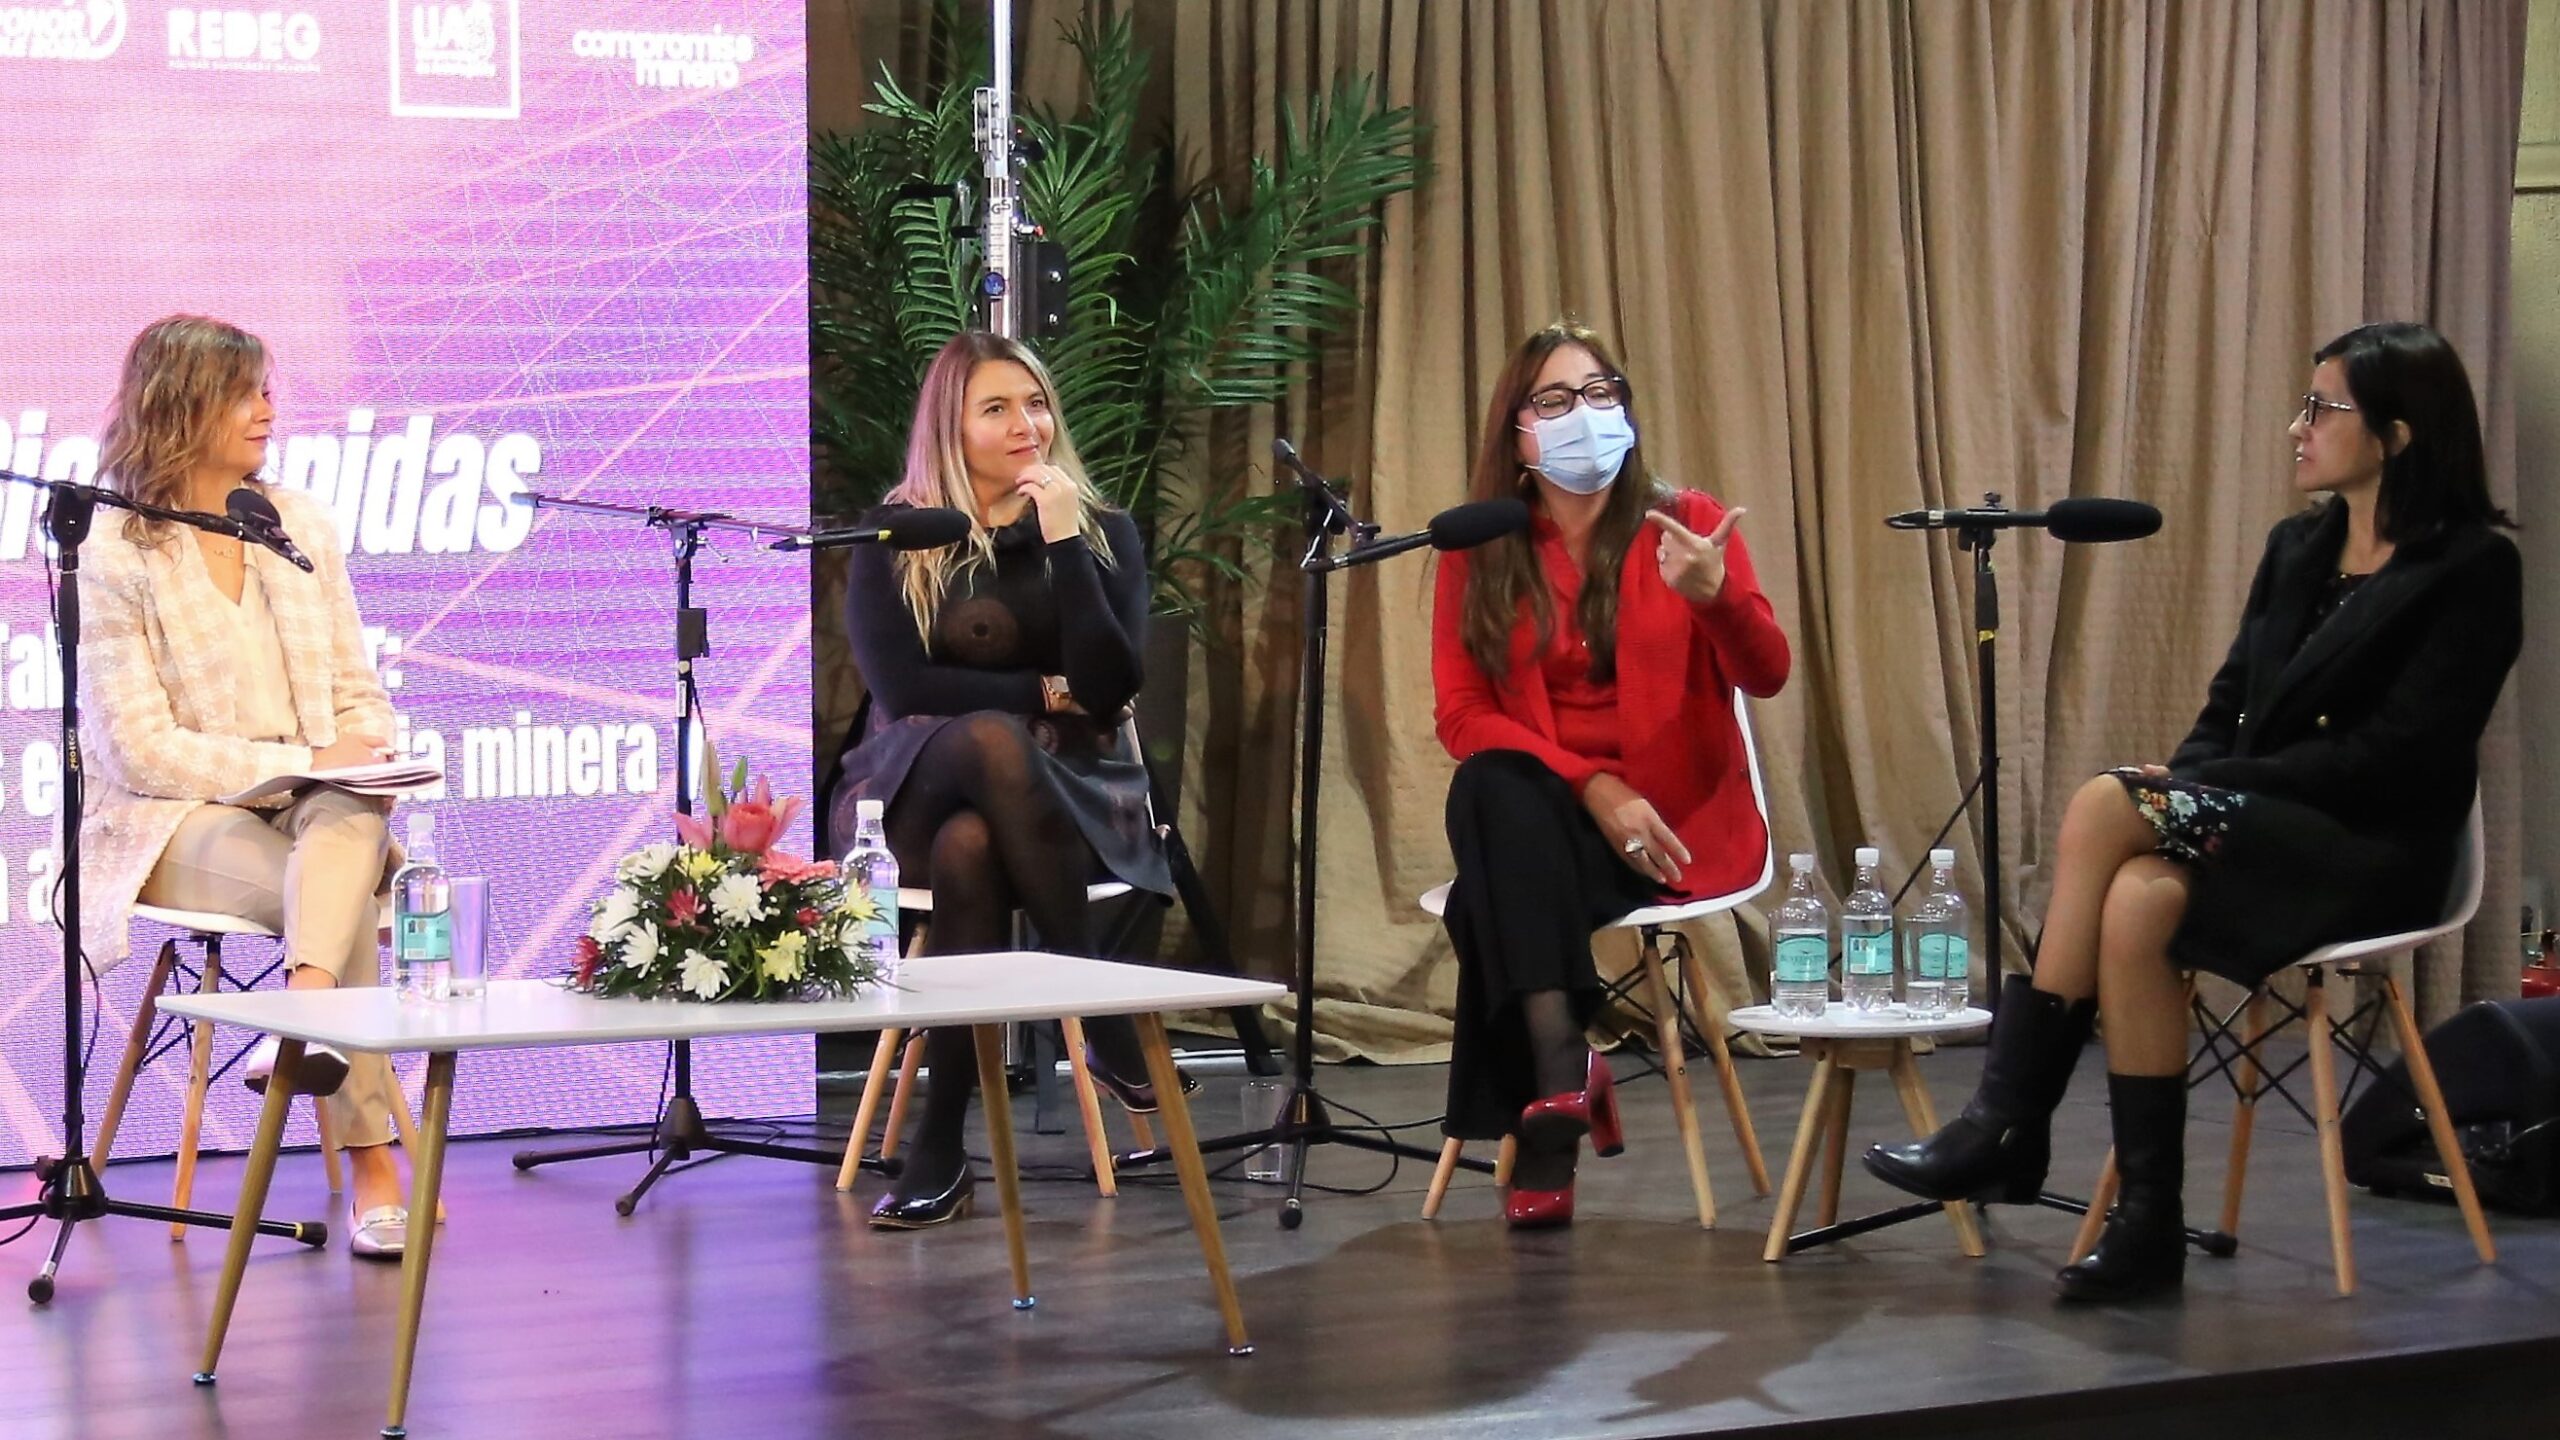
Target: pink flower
(784,868)
(590,955)
(753,823)
(684,907)
(694,831)
(807,917)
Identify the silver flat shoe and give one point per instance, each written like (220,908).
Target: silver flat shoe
(381,1233)
(322,1071)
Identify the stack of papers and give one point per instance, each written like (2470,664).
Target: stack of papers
(386,777)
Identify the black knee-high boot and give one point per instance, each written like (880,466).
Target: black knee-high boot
(2144,1249)
(1998,1149)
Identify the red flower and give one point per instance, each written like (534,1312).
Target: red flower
(753,822)
(684,907)
(807,917)
(590,956)
(781,867)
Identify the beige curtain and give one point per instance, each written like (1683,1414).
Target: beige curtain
(1858,258)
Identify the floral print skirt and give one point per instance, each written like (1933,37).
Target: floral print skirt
(2192,820)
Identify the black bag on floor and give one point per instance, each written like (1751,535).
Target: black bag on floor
(2499,1064)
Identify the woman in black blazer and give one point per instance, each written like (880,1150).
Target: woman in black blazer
(2321,795)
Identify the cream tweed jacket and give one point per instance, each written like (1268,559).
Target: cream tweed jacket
(157,694)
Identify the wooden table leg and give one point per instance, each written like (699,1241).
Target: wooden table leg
(1835,1142)
(996,1095)
(1924,1123)
(1800,1159)
(253,1194)
(426,1181)
(1185,1145)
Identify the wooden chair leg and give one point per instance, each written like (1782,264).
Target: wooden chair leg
(328,1147)
(199,1079)
(875,1082)
(136,1040)
(908,1065)
(2333,1165)
(1097,1140)
(1142,1132)
(2101,1200)
(1800,1159)
(1693,978)
(1504,1158)
(2244,1113)
(2422,1076)
(1835,1143)
(1675,1069)
(1440,1173)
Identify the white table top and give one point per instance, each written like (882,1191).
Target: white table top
(931,990)
(1841,1021)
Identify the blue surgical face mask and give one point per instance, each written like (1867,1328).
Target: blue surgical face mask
(1581,449)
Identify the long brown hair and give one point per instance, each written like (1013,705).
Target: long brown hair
(1504,575)
(180,374)
(938,469)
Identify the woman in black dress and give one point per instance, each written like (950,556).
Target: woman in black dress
(2321,795)
(999,671)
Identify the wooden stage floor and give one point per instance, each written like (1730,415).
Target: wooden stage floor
(748,1299)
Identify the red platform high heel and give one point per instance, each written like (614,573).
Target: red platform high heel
(1551,1132)
(1600,1091)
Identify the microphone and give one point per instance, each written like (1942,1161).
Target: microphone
(919,528)
(2093,520)
(1461,527)
(259,524)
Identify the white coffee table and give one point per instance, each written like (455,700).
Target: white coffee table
(983,991)
(1841,1043)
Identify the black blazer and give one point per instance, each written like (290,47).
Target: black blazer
(2376,718)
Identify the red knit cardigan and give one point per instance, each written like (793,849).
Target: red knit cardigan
(1678,666)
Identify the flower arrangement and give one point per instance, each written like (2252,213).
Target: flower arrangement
(724,915)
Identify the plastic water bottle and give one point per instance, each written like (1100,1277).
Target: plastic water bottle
(1800,982)
(421,918)
(1866,938)
(1938,974)
(872,867)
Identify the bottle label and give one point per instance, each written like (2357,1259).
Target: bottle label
(1870,954)
(423,939)
(1943,957)
(882,933)
(1803,960)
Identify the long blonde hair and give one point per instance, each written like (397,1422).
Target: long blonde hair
(938,470)
(180,374)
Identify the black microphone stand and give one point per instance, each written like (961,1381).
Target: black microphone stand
(679,1132)
(1304,1121)
(69,1189)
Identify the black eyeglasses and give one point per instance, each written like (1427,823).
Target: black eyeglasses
(1604,394)
(2312,405)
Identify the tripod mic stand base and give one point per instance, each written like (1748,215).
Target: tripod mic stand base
(681,1135)
(72,1194)
(1304,1123)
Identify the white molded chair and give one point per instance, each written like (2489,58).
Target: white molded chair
(2242,1061)
(143,1044)
(1653,925)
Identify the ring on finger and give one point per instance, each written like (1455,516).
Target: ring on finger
(1634,845)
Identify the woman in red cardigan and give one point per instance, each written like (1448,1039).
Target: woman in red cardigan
(1600,768)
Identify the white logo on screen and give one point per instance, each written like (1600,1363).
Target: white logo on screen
(271,40)
(66,30)
(454,40)
(671,60)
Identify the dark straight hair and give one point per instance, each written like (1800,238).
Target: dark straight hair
(2403,372)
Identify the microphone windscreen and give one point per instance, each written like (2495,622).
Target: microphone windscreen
(1463,527)
(925,528)
(245,504)
(2098,520)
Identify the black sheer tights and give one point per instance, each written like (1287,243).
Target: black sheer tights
(979,822)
